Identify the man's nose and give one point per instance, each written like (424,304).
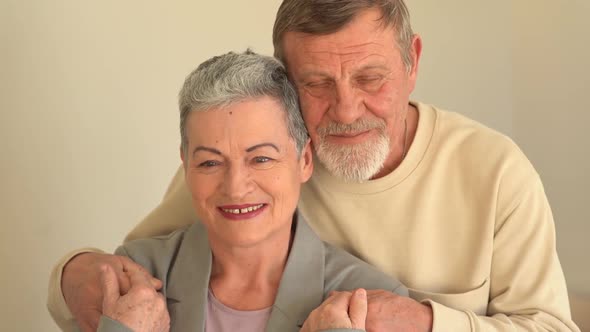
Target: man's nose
(238,182)
(348,106)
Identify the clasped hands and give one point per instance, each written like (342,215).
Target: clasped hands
(99,284)
(373,310)
(116,287)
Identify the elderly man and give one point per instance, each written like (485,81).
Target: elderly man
(449,207)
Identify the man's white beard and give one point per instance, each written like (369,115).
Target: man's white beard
(353,162)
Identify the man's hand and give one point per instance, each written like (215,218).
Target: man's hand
(391,312)
(142,309)
(339,310)
(81,285)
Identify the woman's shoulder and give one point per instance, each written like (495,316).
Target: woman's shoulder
(343,271)
(157,253)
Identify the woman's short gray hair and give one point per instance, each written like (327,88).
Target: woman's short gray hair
(234,77)
(320,17)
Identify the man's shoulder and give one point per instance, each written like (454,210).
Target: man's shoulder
(460,126)
(343,271)
(469,139)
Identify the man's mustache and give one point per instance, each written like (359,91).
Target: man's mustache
(335,128)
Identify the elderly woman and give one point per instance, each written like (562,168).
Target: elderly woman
(252,263)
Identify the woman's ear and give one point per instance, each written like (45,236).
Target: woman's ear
(183,158)
(306,162)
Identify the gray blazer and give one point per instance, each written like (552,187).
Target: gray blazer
(182,260)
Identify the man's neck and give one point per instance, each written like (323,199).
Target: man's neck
(402,144)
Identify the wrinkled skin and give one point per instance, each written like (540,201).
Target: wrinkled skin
(340,310)
(391,312)
(142,308)
(81,285)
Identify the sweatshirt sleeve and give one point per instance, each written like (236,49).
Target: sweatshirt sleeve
(174,212)
(527,285)
(56,304)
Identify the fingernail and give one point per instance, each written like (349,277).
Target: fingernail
(361,292)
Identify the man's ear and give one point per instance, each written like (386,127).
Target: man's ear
(306,162)
(415,52)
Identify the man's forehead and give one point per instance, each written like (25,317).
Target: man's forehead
(305,48)
(311,60)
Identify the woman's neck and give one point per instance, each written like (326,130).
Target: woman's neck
(247,278)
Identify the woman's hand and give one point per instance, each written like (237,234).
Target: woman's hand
(81,285)
(339,310)
(142,308)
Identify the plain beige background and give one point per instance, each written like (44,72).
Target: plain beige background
(88,119)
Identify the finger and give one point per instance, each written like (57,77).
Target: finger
(124,282)
(156,283)
(334,293)
(340,300)
(118,266)
(357,309)
(110,287)
(138,275)
(128,264)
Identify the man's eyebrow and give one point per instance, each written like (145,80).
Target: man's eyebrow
(204,148)
(257,146)
(314,72)
(371,66)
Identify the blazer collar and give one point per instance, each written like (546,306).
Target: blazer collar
(302,285)
(301,289)
(188,281)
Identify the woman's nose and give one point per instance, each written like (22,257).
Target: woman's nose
(238,182)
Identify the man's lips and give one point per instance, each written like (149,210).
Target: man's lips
(243,211)
(355,134)
(349,137)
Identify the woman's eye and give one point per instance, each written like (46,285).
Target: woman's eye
(262,162)
(261,159)
(209,163)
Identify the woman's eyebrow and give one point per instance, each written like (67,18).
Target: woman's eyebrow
(204,148)
(257,146)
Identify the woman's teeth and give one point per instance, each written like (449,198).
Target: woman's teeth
(244,210)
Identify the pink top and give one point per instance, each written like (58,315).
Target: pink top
(221,318)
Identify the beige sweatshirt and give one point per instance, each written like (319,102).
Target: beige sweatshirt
(463,222)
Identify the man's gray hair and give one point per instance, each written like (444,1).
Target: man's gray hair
(233,77)
(322,17)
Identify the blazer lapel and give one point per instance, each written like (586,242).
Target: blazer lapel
(301,289)
(188,282)
(302,285)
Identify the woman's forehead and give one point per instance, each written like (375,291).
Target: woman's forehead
(246,122)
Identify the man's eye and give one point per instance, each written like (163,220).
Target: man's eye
(368,79)
(318,88)
(369,83)
(318,84)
